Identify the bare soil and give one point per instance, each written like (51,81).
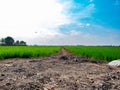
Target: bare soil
(61,71)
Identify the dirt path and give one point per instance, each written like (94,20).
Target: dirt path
(64,52)
(61,71)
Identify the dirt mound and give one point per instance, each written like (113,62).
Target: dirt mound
(62,71)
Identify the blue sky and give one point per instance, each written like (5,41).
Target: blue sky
(61,22)
(105,13)
(95,17)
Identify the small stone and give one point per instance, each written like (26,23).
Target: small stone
(115,63)
(8,84)
(45,88)
(2,74)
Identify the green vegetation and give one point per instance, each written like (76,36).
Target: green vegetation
(26,51)
(9,41)
(107,53)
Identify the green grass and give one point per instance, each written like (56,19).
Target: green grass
(106,53)
(26,51)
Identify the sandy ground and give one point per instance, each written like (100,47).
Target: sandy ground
(61,71)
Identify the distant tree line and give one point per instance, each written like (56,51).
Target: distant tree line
(9,41)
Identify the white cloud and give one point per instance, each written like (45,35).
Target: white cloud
(91,0)
(22,18)
(87,24)
(75,37)
(87,12)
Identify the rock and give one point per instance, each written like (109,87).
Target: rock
(64,58)
(80,60)
(115,63)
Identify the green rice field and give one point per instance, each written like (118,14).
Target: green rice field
(106,53)
(26,51)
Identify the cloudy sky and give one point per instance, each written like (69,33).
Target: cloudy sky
(61,22)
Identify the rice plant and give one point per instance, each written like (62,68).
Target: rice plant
(107,53)
(26,51)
